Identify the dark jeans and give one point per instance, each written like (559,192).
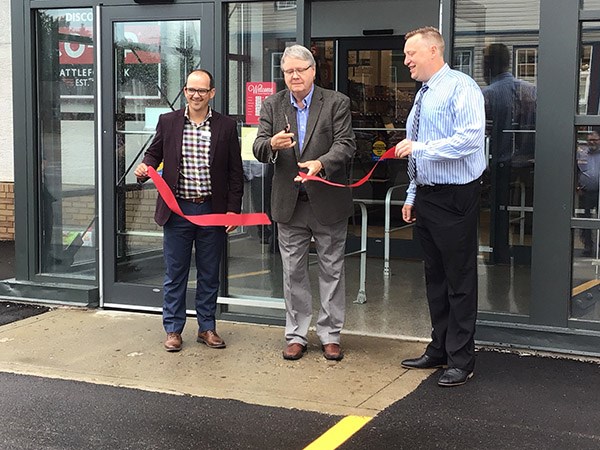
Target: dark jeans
(180,236)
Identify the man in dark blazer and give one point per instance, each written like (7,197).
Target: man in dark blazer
(309,128)
(203,167)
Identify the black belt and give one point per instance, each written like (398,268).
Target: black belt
(441,187)
(197,199)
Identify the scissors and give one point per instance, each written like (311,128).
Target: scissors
(288,127)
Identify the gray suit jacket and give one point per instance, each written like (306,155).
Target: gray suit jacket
(329,138)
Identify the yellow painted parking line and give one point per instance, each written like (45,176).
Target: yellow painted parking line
(339,433)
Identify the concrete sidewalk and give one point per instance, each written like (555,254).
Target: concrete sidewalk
(125,349)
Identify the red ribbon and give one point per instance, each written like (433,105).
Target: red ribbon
(389,154)
(206,220)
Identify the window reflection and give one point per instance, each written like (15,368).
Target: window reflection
(585,285)
(65,93)
(500,52)
(591,4)
(257,34)
(152,60)
(588,182)
(324,53)
(589,69)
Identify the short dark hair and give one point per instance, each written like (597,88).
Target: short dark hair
(211,80)
(497,58)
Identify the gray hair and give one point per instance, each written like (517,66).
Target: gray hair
(298,52)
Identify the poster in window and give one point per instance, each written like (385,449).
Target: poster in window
(256,92)
(138,44)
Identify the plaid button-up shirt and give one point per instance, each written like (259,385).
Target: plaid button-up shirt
(194,173)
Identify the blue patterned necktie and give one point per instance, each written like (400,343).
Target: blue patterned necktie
(414,136)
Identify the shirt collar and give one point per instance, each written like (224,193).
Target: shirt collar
(206,119)
(437,77)
(306,100)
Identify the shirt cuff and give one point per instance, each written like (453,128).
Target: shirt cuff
(411,193)
(418,148)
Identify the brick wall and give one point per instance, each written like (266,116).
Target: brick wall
(77,212)
(7,211)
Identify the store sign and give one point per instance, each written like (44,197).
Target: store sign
(256,92)
(76,53)
(139,70)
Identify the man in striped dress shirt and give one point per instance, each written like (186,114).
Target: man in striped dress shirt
(445,145)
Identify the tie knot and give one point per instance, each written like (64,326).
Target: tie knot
(424,89)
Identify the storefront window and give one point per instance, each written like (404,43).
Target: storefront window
(325,57)
(503,61)
(257,34)
(585,282)
(591,4)
(65,139)
(150,72)
(589,69)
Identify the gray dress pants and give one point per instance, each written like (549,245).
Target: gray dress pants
(294,242)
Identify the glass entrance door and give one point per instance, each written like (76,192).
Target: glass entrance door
(145,63)
(372,73)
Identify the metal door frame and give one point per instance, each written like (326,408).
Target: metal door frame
(112,293)
(407,247)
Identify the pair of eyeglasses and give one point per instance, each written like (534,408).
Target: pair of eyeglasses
(290,72)
(200,92)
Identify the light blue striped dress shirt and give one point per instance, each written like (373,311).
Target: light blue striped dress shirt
(450,147)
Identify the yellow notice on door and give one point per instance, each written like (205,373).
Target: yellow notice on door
(248,137)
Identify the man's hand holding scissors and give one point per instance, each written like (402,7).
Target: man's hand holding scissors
(284,139)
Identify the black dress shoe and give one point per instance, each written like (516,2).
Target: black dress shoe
(423,362)
(454,377)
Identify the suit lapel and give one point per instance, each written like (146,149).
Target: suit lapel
(290,112)
(178,137)
(314,111)
(215,129)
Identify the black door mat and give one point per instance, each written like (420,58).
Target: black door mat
(512,402)
(11,312)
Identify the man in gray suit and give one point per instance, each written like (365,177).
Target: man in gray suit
(307,128)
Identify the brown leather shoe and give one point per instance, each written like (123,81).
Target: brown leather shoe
(173,342)
(294,351)
(211,338)
(333,352)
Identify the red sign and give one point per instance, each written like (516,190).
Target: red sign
(256,92)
